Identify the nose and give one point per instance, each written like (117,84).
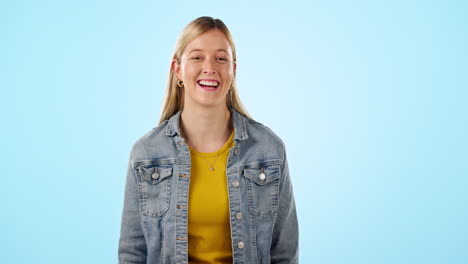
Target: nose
(209,67)
(209,71)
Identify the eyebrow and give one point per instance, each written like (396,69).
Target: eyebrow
(202,50)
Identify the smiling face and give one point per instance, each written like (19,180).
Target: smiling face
(206,68)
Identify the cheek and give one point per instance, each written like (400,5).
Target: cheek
(232,70)
(228,74)
(189,71)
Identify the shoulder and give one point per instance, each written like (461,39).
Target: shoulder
(152,141)
(263,135)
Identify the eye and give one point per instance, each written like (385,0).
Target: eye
(222,59)
(196,58)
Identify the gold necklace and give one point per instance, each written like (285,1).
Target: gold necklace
(211,165)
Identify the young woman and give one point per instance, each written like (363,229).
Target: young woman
(208,184)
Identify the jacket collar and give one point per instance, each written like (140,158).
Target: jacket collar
(240,130)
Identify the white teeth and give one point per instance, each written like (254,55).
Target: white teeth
(208,83)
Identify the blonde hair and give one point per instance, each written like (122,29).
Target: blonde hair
(174,98)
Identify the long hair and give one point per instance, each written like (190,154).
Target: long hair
(174,98)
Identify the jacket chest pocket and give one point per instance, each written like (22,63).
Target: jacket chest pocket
(263,187)
(155,189)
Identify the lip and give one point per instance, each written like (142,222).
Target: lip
(208,80)
(211,80)
(208,89)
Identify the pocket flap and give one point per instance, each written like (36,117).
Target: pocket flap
(155,174)
(271,173)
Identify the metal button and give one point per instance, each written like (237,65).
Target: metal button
(240,244)
(239,215)
(236,151)
(155,175)
(235,184)
(262,176)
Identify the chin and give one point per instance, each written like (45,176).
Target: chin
(211,103)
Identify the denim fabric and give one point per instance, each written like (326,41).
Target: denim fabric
(263,219)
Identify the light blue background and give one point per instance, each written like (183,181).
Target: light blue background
(370,98)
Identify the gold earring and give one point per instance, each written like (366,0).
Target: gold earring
(180,84)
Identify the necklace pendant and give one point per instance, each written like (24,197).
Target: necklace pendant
(211,169)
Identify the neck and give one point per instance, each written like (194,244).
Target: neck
(206,129)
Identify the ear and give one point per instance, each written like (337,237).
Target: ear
(235,66)
(175,67)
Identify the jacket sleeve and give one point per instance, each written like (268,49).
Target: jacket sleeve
(132,244)
(285,240)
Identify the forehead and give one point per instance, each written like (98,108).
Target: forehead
(211,41)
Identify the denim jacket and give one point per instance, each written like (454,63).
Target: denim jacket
(262,210)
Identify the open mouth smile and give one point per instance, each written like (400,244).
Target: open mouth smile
(209,85)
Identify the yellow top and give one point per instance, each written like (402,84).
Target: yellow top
(209,230)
